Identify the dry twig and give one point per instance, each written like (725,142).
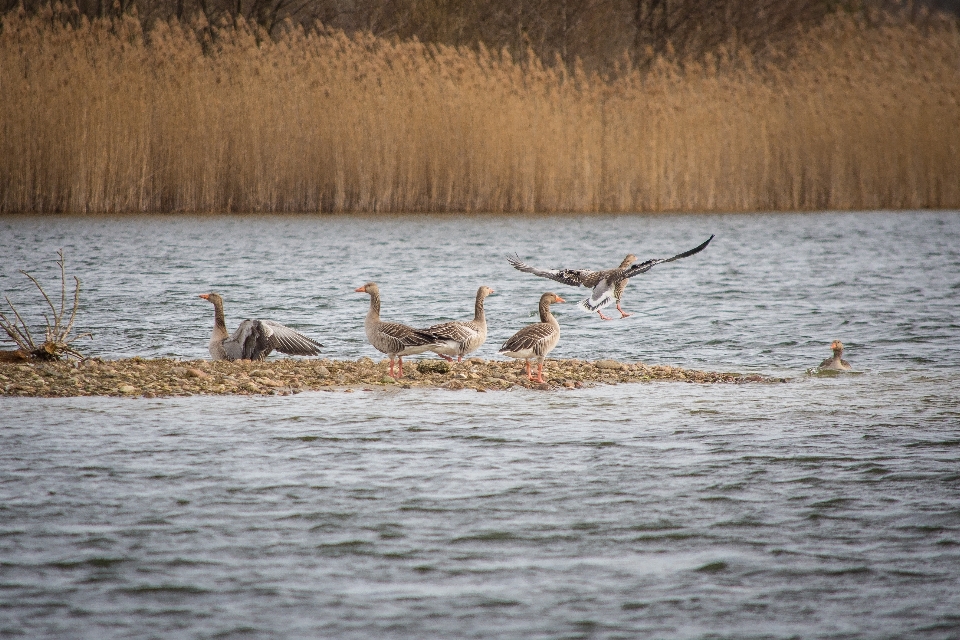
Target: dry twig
(57,339)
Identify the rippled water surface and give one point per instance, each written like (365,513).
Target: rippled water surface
(826,507)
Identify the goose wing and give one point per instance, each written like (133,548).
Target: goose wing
(398,337)
(459,332)
(603,293)
(290,341)
(645,266)
(251,341)
(572,277)
(531,338)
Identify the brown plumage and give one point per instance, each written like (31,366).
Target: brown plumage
(582,277)
(535,341)
(608,286)
(394,339)
(460,338)
(836,363)
(255,339)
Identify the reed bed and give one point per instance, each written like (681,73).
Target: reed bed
(102,116)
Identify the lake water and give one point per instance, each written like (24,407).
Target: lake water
(826,507)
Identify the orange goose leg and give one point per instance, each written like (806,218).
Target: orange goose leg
(623,314)
(529,373)
(400,358)
(540,372)
(603,316)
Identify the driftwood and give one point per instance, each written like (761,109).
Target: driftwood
(57,338)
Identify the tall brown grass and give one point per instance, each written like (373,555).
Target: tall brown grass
(105,117)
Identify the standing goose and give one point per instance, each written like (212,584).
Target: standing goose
(395,340)
(836,363)
(255,339)
(536,340)
(608,286)
(460,338)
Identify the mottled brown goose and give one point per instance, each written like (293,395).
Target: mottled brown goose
(608,286)
(460,338)
(395,340)
(536,340)
(255,339)
(836,363)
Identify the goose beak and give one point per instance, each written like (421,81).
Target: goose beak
(205,296)
(559,299)
(360,290)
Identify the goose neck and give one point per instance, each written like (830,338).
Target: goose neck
(478,314)
(219,323)
(374,313)
(545,315)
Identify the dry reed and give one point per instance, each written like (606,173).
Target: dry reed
(104,117)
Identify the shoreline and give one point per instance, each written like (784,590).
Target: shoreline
(162,377)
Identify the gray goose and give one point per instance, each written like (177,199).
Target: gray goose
(460,338)
(395,340)
(536,340)
(255,339)
(836,363)
(608,286)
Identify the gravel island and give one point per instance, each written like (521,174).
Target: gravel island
(167,377)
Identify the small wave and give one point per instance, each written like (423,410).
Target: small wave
(713,567)
(96,563)
(346,548)
(164,588)
(933,443)
(832,503)
(487,536)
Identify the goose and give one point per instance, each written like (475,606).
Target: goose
(536,340)
(836,363)
(394,339)
(608,286)
(255,339)
(460,338)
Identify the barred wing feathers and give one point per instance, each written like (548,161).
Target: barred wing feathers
(290,341)
(603,293)
(572,277)
(536,339)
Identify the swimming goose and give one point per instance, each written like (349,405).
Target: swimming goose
(395,340)
(460,338)
(607,285)
(255,339)
(836,363)
(536,340)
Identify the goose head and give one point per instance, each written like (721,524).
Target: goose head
(370,287)
(212,297)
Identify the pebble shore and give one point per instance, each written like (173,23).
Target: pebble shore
(151,378)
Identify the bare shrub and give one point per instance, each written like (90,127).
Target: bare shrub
(57,335)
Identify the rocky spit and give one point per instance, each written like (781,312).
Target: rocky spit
(138,377)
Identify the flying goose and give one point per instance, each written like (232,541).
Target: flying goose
(395,340)
(836,363)
(460,338)
(536,340)
(255,339)
(607,285)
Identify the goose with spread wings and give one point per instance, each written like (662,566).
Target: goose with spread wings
(608,286)
(255,339)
